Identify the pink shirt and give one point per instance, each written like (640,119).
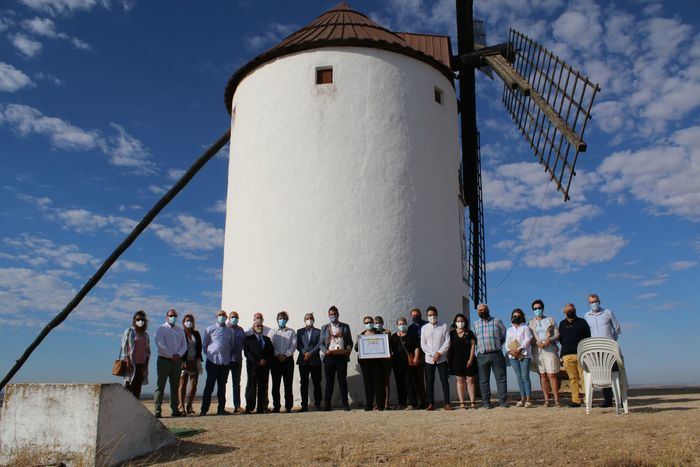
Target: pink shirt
(139,349)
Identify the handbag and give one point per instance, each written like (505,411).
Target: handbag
(120,368)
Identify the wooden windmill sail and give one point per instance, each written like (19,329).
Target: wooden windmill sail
(549,101)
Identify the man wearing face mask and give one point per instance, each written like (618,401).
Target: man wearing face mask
(258,352)
(236,359)
(572,330)
(603,324)
(435,342)
(490,335)
(418,368)
(336,345)
(284,341)
(309,361)
(217,344)
(171,344)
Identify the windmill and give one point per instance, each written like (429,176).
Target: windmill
(548,100)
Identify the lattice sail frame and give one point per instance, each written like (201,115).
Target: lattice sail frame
(482,242)
(556,89)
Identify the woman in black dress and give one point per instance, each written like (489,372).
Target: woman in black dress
(372,370)
(462,362)
(405,354)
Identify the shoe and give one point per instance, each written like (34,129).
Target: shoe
(346,408)
(503,406)
(409,407)
(558,405)
(573,404)
(190,411)
(473,405)
(304,409)
(318,407)
(487,406)
(202,414)
(327,408)
(546,403)
(462,405)
(368,409)
(223,412)
(528,405)
(178,414)
(519,404)
(605,405)
(276,410)
(447,407)
(430,407)
(247,411)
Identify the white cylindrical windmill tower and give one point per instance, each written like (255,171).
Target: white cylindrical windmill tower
(343,185)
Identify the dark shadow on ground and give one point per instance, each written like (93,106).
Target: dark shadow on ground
(182,450)
(636,402)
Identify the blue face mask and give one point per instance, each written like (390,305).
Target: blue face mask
(172,320)
(333,318)
(595,307)
(539,312)
(221,319)
(233,321)
(378,327)
(369,326)
(403,327)
(282,323)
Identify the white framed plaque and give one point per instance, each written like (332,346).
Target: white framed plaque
(374,346)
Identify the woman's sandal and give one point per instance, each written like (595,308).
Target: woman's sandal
(462,406)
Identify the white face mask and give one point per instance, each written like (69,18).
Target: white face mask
(432,319)
(139,323)
(309,322)
(460,324)
(188,324)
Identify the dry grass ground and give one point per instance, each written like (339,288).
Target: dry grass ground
(661,429)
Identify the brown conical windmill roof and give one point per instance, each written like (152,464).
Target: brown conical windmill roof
(345,27)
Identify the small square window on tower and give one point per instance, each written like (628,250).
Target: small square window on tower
(324,75)
(438,95)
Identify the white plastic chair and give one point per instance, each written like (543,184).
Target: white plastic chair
(597,355)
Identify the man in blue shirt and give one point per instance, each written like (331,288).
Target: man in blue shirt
(217,344)
(236,359)
(603,324)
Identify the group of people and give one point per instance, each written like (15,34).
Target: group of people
(418,350)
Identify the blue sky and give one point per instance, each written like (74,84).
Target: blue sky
(103,103)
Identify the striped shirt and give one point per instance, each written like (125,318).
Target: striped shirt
(490,334)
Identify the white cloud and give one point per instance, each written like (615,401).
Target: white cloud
(521,185)
(25,44)
(190,233)
(274,33)
(175,174)
(681,265)
(497,265)
(646,296)
(36,251)
(131,266)
(157,189)
(610,116)
(12,79)
(579,27)
(67,7)
(658,280)
(666,177)
(219,206)
(45,27)
(84,221)
(557,241)
(122,149)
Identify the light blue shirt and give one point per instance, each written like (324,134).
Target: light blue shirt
(170,341)
(217,344)
(603,324)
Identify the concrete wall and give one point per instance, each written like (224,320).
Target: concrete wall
(76,424)
(343,194)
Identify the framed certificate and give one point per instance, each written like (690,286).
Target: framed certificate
(374,346)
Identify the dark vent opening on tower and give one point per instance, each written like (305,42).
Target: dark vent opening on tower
(324,75)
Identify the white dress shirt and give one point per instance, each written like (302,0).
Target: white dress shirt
(170,341)
(523,335)
(284,340)
(435,338)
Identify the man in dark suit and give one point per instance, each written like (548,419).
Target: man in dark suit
(309,361)
(336,345)
(418,371)
(259,352)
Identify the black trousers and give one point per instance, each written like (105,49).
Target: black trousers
(256,387)
(419,375)
(282,371)
(373,379)
(430,381)
(336,365)
(216,374)
(236,368)
(406,384)
(315,372)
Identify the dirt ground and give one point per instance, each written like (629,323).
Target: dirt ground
(661,429)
